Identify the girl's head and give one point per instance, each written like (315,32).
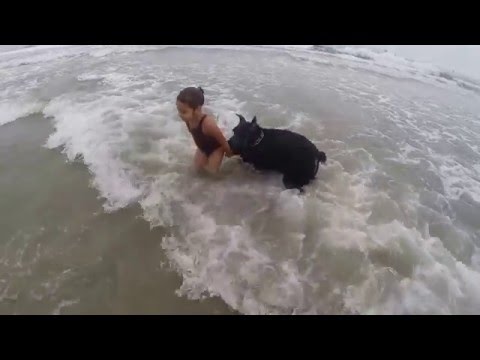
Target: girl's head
(189,103)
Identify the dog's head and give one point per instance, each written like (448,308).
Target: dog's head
(245,135)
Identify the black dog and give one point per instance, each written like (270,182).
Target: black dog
(289,153)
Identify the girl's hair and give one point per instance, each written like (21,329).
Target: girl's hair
(192,96)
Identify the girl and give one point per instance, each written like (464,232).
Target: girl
(211,144)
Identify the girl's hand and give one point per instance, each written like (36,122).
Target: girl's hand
(228,153)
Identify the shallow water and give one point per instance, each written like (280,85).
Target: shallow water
(61,254)
(390,225)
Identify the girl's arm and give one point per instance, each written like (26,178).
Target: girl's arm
(211,128)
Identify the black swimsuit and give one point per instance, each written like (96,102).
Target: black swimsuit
(206,143)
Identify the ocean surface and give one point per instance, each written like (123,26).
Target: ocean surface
(101,213)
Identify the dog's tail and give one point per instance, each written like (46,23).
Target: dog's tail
(321,158)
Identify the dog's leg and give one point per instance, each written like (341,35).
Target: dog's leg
(287,182)
(290,183)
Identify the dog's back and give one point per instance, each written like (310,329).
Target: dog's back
(287,152)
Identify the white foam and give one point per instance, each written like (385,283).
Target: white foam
(264,283)
(458,179)
(435,276)
(476,259)
(477,169)
(39,54)
(63,304)
(86,130)
(12,110)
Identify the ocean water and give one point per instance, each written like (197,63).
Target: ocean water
(390,226)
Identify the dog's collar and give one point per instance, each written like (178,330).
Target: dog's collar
(260,138)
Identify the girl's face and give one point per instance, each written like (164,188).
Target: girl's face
(186,113)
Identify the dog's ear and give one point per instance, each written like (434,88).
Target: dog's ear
(254,120)
(242,119)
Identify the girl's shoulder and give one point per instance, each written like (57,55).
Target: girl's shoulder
(209,124)
(209,119)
